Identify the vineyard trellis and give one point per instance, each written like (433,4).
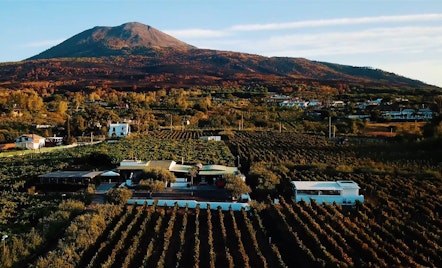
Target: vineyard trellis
(399,223)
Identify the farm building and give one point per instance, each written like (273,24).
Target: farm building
(69,177)
(30,141)
(130,169)
(341,192)
(206,173)
(210,138)
(119,130)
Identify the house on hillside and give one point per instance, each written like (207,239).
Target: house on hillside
(341,192)
(30,141)
(119,130)
(337,104)
(297,103)
(408,115)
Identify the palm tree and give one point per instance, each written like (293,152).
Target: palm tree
(193,171)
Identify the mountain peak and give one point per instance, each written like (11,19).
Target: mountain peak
(131,38)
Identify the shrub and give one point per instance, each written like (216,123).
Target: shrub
(118,195)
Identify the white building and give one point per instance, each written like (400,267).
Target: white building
(337,104)
(408,115)
(119,130)
(341,192)
(299,104)
(210,138)
(30,141)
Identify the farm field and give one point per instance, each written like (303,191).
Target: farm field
(398,225)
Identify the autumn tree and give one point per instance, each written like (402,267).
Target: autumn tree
(158,174)
(78,100)
(263,178)
(236,185)
(118,196)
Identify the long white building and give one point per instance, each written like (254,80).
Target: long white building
(341,192)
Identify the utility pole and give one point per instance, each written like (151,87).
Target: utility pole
(329,127)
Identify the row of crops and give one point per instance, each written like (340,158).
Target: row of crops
(401,214)
(285,235)
(399,224)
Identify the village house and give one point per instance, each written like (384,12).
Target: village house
(119,130)
(299,104)
(30,141)
(408,115)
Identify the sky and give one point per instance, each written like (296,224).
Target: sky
(399,36)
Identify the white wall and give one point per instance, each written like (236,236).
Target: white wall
(192,204)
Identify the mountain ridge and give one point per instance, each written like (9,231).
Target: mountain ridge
(134,55)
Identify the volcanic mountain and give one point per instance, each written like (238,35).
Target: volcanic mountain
(127,39)
(134,55)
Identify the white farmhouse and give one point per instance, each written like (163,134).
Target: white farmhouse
(341,192)
(119,130)
(30,141)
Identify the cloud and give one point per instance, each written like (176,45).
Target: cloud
(43,43)
(338,21)
(196,33)
(375,40)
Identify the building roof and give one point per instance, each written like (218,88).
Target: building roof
(180,168)
(133,163)
(110,173)
(34,137)
(72,174)
(324,185)
(215,170)
(214,167)
(163,164)
(174,167)
(118,124)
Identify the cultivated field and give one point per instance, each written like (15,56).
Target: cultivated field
(398,225)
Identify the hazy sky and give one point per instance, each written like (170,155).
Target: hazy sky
(400,36)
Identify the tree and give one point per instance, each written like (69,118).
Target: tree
(78,100)
(236,185)
(62,107)
(80,123)
(193,171)
(152,185)
(263,178)
(118,196)
(158,174)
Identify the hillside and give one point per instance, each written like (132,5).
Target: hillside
(127,39)
(134,55)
